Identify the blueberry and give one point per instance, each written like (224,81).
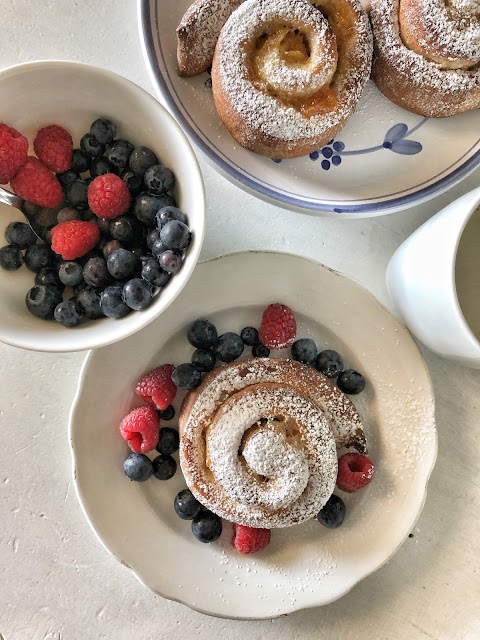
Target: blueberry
(152,273)
(38,256)
(76,194)
(186,506)
(11,258)
(351,382)
(104,225)
(125,229)
(70,273)
(142,158)
(333,513)
(168,441)
(152,237)
(147,205)
(112,304)
(68,313)
(122,264)
(229,347)
(20,234)
(170,261)
(159,179)
(203,359)
(202,334)
(164,467)
(138,294)
(67,214)
(304,350)
(100,167)
(175,235)
(118,153)
(186,376)
(89,301)
(138,467)
(92,147)
(95,273)
(103,130)
(48,275)
(249,335)
(110,247)
(207,526)
(66,178)
(329,363)
(169,213)
(157,248)
(167,414)
(42,299)
(133,182)
(260,351)
(80,162)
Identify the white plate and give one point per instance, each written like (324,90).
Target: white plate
(306,565)
(384,160)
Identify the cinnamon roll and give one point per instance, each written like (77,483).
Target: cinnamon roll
(259,439)
(427,54)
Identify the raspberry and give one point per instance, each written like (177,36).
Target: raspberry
(278,327)
(13,152)
(354,472)
(248,540)
(74,239)
(157,388)
(35,183)
(54,146)
(140,429)
(108,196)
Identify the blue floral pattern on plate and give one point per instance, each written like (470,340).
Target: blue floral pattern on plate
(395,140)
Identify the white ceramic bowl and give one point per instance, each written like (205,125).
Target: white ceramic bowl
(73,95)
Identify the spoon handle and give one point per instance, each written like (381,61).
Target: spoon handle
(9,198)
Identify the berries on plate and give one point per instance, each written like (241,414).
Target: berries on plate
(80,163)
(122,264)
(141,159)
(103,130)
(229,347)
(351,382)
(168,441)
(13,152)
(34,182)
(138,467)
(170,261)
(175,235)
(48,275)
(278,327)
(112,304)
(159,179)
(108,196)
(333,513)
(329,363)
(260,351)
(118,153)
(164,467)
(249,540)
(68,313)
(95,272)
(203,359)
(157,388)
(11,258)
(147,205)
(304,350)
(249,335)
(140,429)
(167,414)
(186,376)
(38,256)
(186,506)
(54,147)
(152,273)
(206,526)
(354,472)
(168,213)
(91,147)
(76,193)
(138,294)
(202,334)
(42,300)
(74,239)
(20,234)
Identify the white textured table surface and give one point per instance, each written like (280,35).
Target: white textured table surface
(57,582)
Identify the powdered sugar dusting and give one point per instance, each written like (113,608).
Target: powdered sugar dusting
(267,114)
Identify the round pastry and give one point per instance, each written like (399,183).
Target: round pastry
(427,54)
(259,439)
(287,75)
(198,32)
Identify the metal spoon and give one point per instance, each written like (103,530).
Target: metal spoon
(29,211)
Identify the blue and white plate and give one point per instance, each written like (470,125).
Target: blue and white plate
(385,159)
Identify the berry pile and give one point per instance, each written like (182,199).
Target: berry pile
(112,234)
(158,389)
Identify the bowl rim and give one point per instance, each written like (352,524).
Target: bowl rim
(83,342)
(288,201)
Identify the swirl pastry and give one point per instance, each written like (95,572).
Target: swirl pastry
(259,439)
(427,54)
